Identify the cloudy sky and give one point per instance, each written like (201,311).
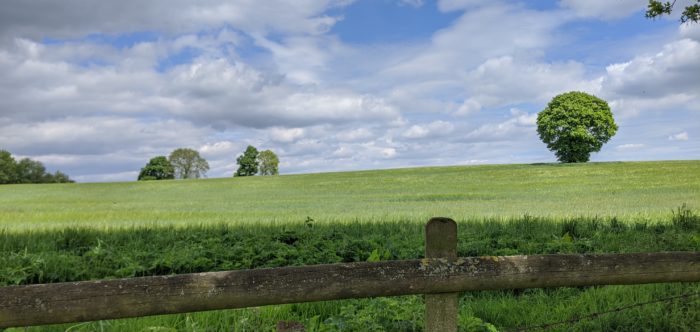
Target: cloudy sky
(96,88)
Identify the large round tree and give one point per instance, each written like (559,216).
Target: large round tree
(574,124)
(247,162)
(158,168)
(188,164)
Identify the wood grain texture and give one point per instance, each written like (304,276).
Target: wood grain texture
(120,298)
(441,310)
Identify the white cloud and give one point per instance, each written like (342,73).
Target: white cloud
(77,18)
(507,80)
(682,136)
(523,118)
(433,129)
(629,146)
(389,152)
(690,30)
(604,9)
(634,106)
(99,135)
(215,92)
(473,162)
(354,135)
(285,135)
(518,126)
(412,3)
(469,106)
(674,70)
(453,50)
(416,131)
(220,149)
(660,82)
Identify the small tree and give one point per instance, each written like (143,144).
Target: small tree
(188,164)
(269,163)
(31,171)
(158,168)
(8,168)
(248,162)
(26,171)
(574,124)
(57,177)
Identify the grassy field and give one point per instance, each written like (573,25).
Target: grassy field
(628,191)
(54,233)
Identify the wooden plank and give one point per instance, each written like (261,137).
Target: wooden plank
(441,310)
(120,298)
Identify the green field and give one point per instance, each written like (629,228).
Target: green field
(628,191)
(67,232)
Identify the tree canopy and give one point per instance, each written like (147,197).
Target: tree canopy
(158,168)
(657,8)
(27,171)
(574,124)
(268,162)
(188,164)
(247,162)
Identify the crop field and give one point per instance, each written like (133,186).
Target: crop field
(68,232)
(629,191)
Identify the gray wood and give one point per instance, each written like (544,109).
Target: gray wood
(441,310)
(120,298)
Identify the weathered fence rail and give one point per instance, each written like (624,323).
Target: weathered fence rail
(134,297)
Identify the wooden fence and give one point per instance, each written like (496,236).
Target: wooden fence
(441,275)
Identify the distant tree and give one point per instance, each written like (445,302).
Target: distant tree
(574,124)
(269,163)
(57,177)
(248,162)
(26,171)
(158,168)
(31,171)
(188,164)
(657,8)
(8,168)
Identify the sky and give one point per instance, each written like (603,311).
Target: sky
(96,89)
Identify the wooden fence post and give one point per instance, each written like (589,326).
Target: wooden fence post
(441,310)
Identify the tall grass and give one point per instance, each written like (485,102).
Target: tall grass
(86,253)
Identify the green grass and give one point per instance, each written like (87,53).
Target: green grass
(81,254)
(67,232)
(628,191)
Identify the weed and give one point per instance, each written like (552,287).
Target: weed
(685,219)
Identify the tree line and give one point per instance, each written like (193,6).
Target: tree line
(27,171)
(184,163)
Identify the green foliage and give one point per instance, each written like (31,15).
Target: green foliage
(381,314)
(685,218)
(657,8)
(474,324)
(30,171)
(269,163)
(81,254)
(574,124)
(27,171)
(158,168)
(377,256)
(247,162)
(188,164)
(56,177)
(8,172)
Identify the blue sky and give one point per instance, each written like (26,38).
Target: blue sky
(96,90)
